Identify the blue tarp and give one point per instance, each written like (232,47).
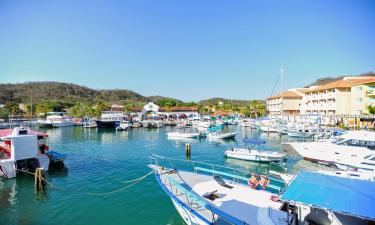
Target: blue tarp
(251,141)
(337,194)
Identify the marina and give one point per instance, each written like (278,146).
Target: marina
(187,112)
(98,161)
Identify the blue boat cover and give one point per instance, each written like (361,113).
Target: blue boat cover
(252,141)
(349,196)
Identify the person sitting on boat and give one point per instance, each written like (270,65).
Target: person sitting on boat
(253,181)
(263,182)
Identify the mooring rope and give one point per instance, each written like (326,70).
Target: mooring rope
(126,187)
(134,182)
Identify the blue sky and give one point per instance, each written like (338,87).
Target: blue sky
(188,49)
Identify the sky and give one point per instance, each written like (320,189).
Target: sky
(187,49)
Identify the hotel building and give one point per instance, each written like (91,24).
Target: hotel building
(348,96)
(289,102)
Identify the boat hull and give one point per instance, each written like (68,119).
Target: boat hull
(107,124)
(254,157)
(183,135)
(187,214)
(67,124)
(222,136)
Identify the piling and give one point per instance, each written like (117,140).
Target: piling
(188,151)
(39,178)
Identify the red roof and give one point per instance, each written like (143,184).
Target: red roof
(6,132)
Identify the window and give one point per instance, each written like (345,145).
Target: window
(359,100)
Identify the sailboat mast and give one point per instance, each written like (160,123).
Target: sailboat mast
(281,91)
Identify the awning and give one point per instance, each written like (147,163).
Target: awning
(343,195)
(6,132)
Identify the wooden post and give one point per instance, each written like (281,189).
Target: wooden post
(188,151)
(39,180)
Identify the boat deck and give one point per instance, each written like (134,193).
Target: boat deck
(241,202)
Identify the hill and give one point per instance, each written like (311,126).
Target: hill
(216,100)
(66,92)
(326,80)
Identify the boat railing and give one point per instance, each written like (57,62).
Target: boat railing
(193,198)
(237,175)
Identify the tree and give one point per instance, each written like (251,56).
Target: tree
(12,107)
(128,106)
(4,113)
(371,109)
(99,107)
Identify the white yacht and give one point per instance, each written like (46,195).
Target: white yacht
(247,153)
(353,150)
(56,119)
(110,119)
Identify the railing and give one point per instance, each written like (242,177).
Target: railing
(235,174)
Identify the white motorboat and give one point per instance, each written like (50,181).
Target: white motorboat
(213,194)
(183,135)
(124,125)
(352,150)
(22,149)
(63,122)
(221,135)
(246,153)
(268,129)
(254,155)
(56,119)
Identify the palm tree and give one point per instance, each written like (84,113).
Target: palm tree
(371,109)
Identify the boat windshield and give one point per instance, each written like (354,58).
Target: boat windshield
(356,143)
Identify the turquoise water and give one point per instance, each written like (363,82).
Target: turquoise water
(100,161)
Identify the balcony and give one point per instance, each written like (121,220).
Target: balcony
(370,93)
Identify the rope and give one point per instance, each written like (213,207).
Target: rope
(134,181)
(123,188)
(50,184)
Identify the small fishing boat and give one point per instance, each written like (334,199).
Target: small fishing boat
(246,153)
(22,149)
(124,125)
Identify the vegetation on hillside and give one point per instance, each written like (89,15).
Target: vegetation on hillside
(326,80)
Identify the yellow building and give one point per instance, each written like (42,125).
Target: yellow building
(349,96)
(362,96)
(289,102)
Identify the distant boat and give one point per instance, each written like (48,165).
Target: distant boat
(110,119)
(124,125)
(255,155)
(183,135)
(56,119)
(152,121)
(221,135)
